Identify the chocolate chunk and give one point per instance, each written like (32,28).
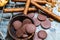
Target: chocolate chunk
(36,37)
(21,31)
(36,21)
(46,24)
(30,28)
(42,34)
(27,21)
(41,17)
(17,24)
(31,15)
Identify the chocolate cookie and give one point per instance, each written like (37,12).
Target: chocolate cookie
(30,28)
(46,24)
(42,34)
(41,17)
(36,21)
(17,24)
(27,21)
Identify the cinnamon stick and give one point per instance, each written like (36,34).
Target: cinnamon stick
(27,6)
(10,10)
(38,1)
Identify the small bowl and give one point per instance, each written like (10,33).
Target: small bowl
(11,29)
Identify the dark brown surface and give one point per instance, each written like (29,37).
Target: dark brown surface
(42,34)
(36,21)
(30,28)
(17,24)
(46,24)
(41,17)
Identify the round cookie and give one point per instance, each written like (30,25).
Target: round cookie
(26,21)
(31,15)
(42,34)
(36,21)
(36,37)
(19,33)
(30,28)
(17,24)
(46,24)
(41,17)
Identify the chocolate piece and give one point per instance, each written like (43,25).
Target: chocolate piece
(42,34)
(21,31)
(30,28)
(36,21)
(17,24)
(31,15)
(24,29)
(27,21)
(41,17)
(36,37)
(46,24)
